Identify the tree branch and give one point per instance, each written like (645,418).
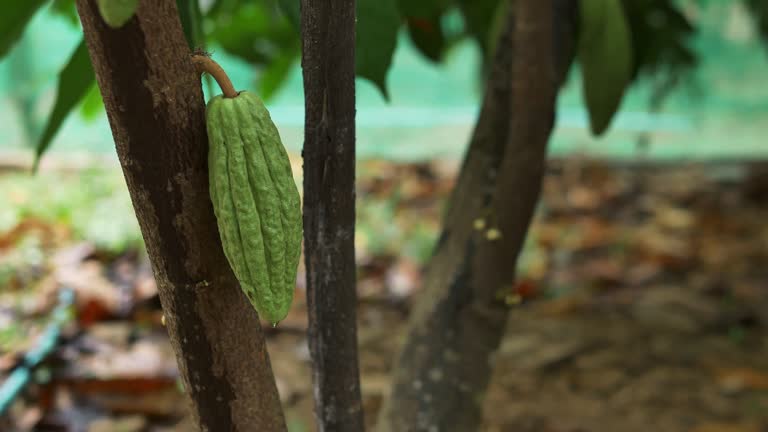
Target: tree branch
(460,315)
(328,61)
(155,107)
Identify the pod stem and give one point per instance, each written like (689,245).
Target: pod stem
(204,63)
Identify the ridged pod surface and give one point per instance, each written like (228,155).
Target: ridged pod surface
(256,202)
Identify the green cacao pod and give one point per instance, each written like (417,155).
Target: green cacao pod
(256,202)
(117,12)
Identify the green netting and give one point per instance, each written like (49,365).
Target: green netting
(722,112)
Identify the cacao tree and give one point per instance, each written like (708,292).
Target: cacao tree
(154,103)
(140,59)
(328,63)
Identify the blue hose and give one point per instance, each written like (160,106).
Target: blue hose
(21,376)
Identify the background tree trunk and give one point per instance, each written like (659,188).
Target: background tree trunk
(460,314)
(328,62)
(157,114)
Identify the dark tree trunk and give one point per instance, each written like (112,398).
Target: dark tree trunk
(443,371)
(155,108)
(328,61)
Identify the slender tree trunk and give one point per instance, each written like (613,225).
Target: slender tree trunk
(328,61)
(460,315)
(155,108)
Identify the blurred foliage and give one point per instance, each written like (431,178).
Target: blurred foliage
(428,36)
(605,55)
(423,21)
(94,204)
(759,10)
(378,22)
(660,35)
(13,20)
(412,237)
(191,21)
(74,81)
(66,8)
(92,103)
(257,32)
(478,15)
(23,93)
(265,34)
(27,254)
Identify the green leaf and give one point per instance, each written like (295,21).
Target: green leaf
(13,20)
(497,26)
(117,12)
(759,9)
(292,11)
(377,25)
(423,20)
(74,81)
(661,44)
(427,35)
(260,33)
(274,75)
(478,18)
(92,103)
(66,9)
(254,32)
(191,22)
(426,9)
(605,56)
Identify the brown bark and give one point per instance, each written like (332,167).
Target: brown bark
(156,111)
(328,62)
(460,315)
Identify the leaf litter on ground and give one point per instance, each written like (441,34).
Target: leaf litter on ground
(628,272)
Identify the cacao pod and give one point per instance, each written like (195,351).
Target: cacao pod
(256,202)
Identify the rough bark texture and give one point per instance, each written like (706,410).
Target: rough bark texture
(328,38)
(460,315)
(157,114)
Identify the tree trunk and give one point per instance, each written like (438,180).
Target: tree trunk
(328,62)
(460,315)
(157,114)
